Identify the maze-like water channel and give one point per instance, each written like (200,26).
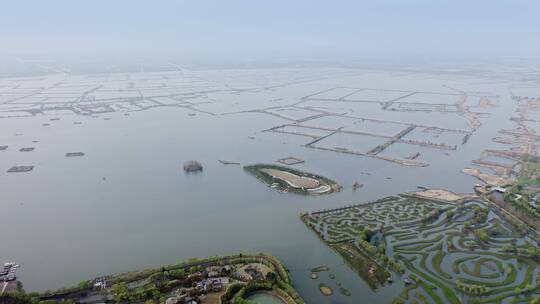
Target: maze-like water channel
(452,253)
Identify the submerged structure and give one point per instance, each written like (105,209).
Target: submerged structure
(290,160)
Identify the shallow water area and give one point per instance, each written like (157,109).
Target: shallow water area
(127,203)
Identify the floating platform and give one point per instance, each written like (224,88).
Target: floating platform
(17,169)
(226,162)
(74,154)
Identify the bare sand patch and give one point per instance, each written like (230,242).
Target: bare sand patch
(487,178)
(293,180)
(438,194)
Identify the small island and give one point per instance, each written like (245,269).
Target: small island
(286,179)
(192,166)
(325,289)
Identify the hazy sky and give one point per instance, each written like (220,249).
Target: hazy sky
(271,27)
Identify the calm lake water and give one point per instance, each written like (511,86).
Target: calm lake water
(264,298)
(127,204)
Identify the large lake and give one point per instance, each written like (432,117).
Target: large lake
(127,204)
